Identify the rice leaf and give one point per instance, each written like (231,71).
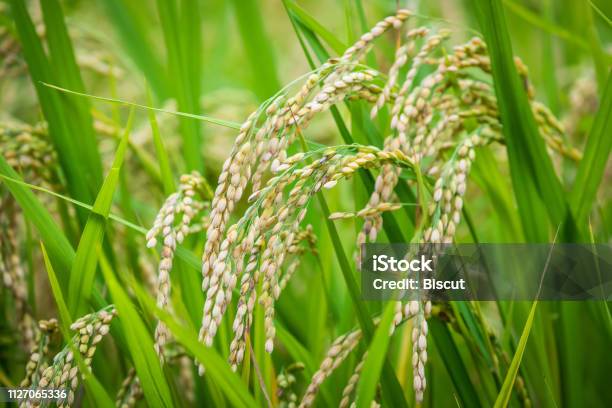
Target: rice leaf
(455,366)
(596,154)
(377,352)
(600,58)
(218,369)
(214,121)
(312,24)
(140,345)
(185,87)
(91,382)
(131,26)
(78,117)
(544,24)
(390,384)
(503,399)
(160,150)
(258,48)
(84,267)
(51,234)
(532,173)
(64,116)
(65,318)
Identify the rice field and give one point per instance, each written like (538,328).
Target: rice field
(186,188)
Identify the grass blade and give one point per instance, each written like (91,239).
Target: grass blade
(390,384)
(64,116)
(129,23)
(503,398)
(596,154)
(162,155)
(84,267)
(216,367)
(139,342)
(67,74)
(454,364)
(53,237)
(307,20)
(208,119)
(533,176)
(93,385)
(551,28)
(373,364)
(185,87)
(257,45)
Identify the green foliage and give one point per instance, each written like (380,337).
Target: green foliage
(219,60)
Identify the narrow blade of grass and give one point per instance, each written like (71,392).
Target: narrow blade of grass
(258,48)
(51,234)
(377,352)
(391,387)
(454,364)
(503,398)
(532,173)
(92,384)
(160,150)
(77,112)
(183,85)
(545,25)
(596,154)
(216,367)
(64,116)
(131,26)
(155,388)
(85,262)
(208,119)
(310,22)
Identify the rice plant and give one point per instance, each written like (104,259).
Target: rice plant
(187,189)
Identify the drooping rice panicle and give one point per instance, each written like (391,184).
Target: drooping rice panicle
(446,110)
(172,224)
(286,381)
(130,391)
(38,361)
(343,346)
(63,372)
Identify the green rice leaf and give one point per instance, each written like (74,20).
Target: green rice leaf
(533,176)
(60,249)
(160,150)
(185,86)
(377,352)
(551,28)
(66,72)
(312,24)
(390,384)
(84,267)
(503,399)
(69,122)
(216,367)
(140,345)
(65,318)
(131,25)
(258,48)
(596,154)
(91,382)
(455,366)
(214,121)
